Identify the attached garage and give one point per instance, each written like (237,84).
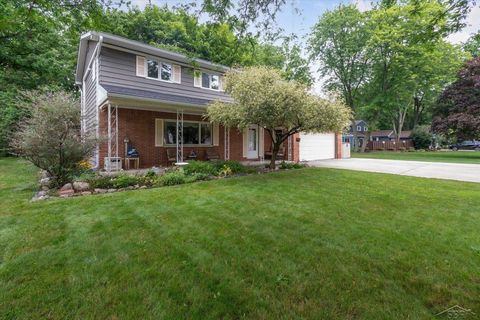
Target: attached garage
(317,146)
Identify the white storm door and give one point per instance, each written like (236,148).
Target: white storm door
(252,142)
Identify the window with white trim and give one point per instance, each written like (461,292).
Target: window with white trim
(159,70)
(359,128)
(194,133)
(210,81)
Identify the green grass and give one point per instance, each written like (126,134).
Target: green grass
(298,244)
(437,156)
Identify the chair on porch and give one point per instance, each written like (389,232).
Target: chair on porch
(171,156)
(212,154)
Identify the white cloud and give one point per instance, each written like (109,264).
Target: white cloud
(473,25)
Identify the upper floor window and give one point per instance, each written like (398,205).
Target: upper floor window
(210,81)
(359,128)
(365,128)
(159,70)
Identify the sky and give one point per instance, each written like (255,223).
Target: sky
(299,16)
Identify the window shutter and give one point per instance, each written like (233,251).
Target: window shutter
(221,86)
(245,142)
(197,81)
(177,73)
(158,132)
(261,141)
(141,66)
(216,134)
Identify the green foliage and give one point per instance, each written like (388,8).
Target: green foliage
(123,181)
(235,166)
(173,177)
(202,167)
(289,165)
(225,171)
(198,176)
(340,43)
(472,45)
(50,137)
(101,182)
(422,137)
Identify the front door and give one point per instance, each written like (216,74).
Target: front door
(252,142)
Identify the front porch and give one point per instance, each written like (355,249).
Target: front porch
(165,136)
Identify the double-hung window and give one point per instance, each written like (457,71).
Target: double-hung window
(159,70)
(194,133)
(210,81)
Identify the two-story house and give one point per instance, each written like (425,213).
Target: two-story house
(362,128)
(139,96)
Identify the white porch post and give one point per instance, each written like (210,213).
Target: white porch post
(109,133)
(179,136)
(112,123)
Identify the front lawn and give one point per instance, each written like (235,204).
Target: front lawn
(298,244)
(436,156)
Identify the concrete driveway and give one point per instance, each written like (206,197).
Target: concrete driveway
(438,170)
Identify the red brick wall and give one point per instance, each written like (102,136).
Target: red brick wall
(139,127)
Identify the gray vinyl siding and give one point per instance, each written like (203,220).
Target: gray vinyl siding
(89,112)
(118,68)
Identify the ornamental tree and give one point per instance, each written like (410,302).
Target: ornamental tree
(457,111)
(261,97)
(50,138)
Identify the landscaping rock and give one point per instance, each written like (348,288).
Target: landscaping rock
(68,186)
(86,193)
(45,182)
(80,186)
(98,190)
(45,188)
(111,190)
(66,193)
(40,195)
(143,187)
(44,174)
(66,190)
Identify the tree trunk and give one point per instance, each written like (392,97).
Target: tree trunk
(276,148)
(366,139)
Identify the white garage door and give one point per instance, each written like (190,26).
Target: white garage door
(317,146)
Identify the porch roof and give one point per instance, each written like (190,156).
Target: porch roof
(116,91)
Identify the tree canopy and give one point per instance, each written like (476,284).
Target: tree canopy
(457,111)
(281,107)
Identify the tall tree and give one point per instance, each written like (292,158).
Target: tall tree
(457,111)
(411,62)
(340,44)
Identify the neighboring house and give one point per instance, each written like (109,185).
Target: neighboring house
(389,135)
(138,96)
(362,128)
